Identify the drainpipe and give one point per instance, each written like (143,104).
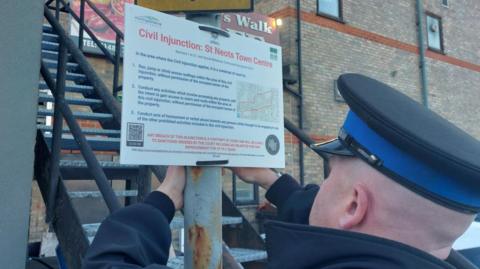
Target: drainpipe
(300,91)
(421,48)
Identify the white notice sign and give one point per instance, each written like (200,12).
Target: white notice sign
(191,97)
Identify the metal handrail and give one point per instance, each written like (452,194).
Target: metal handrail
(84,27)
(302,136)
(102,91)
(308,141)
(110,102)
(111,200)
(119,36)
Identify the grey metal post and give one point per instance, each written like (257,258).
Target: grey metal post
(421,50)
(203,203)
(203,218)
(21,34)
(57,129)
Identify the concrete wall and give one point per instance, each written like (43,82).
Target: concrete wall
(21,23)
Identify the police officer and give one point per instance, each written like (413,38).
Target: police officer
(403,186)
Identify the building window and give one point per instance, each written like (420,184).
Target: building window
(445,3)
(244,193)
(434,33)
(330,8)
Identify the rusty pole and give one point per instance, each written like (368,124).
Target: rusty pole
(203,199)
(203,218)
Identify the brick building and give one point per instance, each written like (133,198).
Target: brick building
(379,39)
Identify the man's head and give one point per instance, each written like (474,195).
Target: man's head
(401,171)
(357,197)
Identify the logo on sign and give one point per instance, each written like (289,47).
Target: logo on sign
(272,144)
(149,20)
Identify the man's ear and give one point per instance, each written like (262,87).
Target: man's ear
(356,208)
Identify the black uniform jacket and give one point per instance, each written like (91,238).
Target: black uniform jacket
(139,236)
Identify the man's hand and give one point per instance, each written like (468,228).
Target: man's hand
(174,184)
(262,176)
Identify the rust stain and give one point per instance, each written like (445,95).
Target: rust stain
(201,246)
(196,173)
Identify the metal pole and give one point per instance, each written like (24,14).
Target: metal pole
(421,49)
(116,67)
(300,91)
(82,23)
(203,218)
(203,203)
(144,182)
(57,129)
(57,9)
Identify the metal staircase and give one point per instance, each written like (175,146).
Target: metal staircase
(71,91)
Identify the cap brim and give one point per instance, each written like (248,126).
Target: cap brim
(334,147)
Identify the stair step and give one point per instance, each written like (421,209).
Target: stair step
(72,101)
(248,255)
(78,170)
(47,45)
(52,55)
(87,131)
(79,115)
(52,64)
(98,194)
(85,89)
(50,37)
(46,28)
(96,143)
(75,77)
(177,223)
(241,255)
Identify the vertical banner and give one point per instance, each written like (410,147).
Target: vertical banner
(113,9)
(192,97)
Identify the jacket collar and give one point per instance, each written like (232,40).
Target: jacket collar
(295,246)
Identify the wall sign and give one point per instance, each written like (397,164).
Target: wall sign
(191,97)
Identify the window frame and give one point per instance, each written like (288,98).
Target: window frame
(440,32)
(255,199)
(329,16)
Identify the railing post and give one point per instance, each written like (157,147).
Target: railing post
(131,185)
(116,68)
(57,129)
(57,9)
(81,24)
(96,170)
(144,183)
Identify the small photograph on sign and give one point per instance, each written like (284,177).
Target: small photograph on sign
(135,133)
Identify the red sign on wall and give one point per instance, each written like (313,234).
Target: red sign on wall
(113,9)
(253,25)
